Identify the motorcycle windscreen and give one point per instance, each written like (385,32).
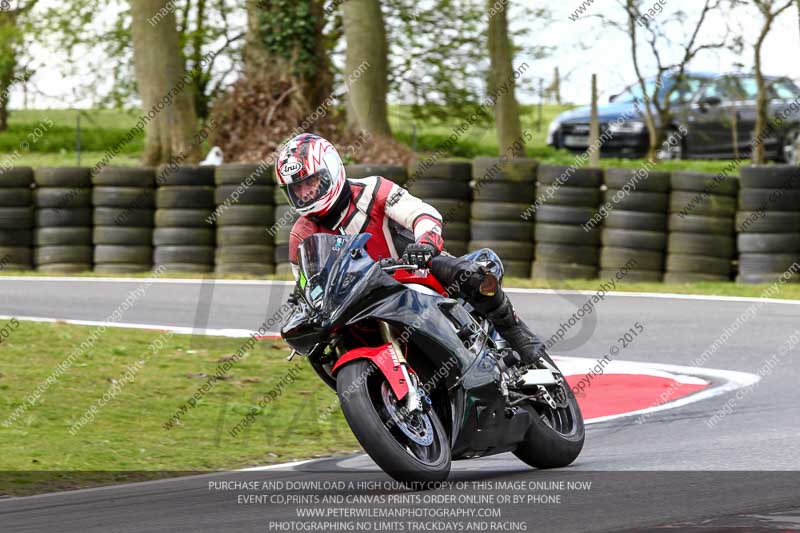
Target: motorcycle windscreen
(319,261)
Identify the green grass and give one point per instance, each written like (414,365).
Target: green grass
(128,434)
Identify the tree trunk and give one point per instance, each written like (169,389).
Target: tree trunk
(502,82)
(594,128)
(8,63)
(557,85)
(366,66)
(165,89)
(758,156)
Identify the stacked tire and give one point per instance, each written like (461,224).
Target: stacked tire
(285,217)
(567,199)
(393,173)
(63,219)
(503,190)
(634,236)
(446,187)
(701,243)
(246,233)
(184,234)
(768,223)
(123,199)
(16,219)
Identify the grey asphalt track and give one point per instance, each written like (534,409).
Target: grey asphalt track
(671,470)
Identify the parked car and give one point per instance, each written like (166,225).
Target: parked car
(707,105)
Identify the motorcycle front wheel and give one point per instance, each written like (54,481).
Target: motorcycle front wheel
(409,447)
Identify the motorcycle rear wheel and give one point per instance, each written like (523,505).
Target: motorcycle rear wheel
(396,443)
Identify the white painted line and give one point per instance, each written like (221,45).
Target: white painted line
(276,467)
(512,290)
(179,330)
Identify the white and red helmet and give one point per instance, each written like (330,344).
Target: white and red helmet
(310,173)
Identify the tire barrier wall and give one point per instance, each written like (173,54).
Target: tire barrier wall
(683,227)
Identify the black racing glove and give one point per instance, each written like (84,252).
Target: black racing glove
(419,254)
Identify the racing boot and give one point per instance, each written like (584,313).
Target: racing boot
(501,314)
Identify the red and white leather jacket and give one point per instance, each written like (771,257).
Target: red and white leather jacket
(393,216)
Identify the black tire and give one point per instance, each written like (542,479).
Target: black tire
(633,276)
(767,222)
(47,255)
(497,211)
(279,197)
(45,218)
(113,216)
(242,235)
(64,268)
(456,231)
(60,197)
(707,183)
(183,218)
(196,255)
(16,177)
(63,177)
(430,188)
(185,175)
(569,176)
(16,197)
(245,253)
(521,251)
(241,195)
(689,203)
(570,196)
(516,269)
(635,259)
(15,267)
(359,399)
(764,263)
(484,230)
(447,170)
(767,277)
(770,177)
(140,177)
(647,202)
(15,255)
(618,219)
(183,237)
(544,447)
(769,200)
(637,179)
(184,268)
(124,197)
(394,173)
(281,254)
(106,253)
(557,214)
(122,268)
(256,269)
(701,224)
(565,234)
(114,235)
(631,238)
(565,253)
(555,271)
(722,246)
(16,237)
(246,215)
(16,218)
(515,170)
(243,173)
(62,236)
(693,277)
(504,192)
(759,243)
(457,248)
(451,210)
(284,269)
(187,197)
(699,264)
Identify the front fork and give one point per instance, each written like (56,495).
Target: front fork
(413,400)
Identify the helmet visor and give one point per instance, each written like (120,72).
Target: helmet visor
(307,191)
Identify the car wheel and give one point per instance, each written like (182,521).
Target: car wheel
(791,147)
(672,151)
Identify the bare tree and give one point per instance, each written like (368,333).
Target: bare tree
(501,82)
(594,127)
(770,10)
(10,41)
(366,60)
(648,31)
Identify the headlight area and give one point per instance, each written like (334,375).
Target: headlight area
(552,130)
(633,126)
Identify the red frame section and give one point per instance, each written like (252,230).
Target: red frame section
(387,362)
(404,276)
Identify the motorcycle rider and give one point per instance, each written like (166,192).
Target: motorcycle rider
(312,176)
